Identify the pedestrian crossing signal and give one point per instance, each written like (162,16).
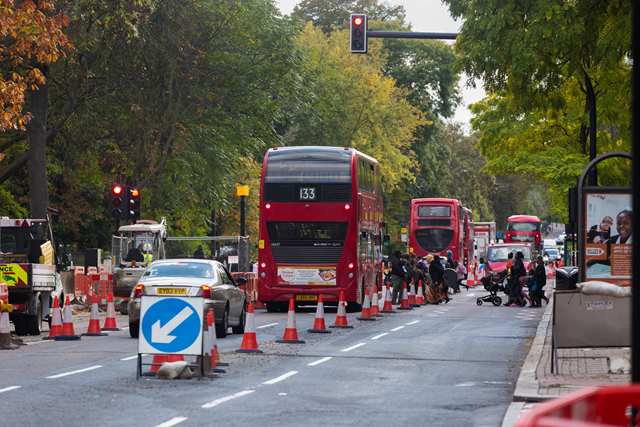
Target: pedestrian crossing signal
(358,33)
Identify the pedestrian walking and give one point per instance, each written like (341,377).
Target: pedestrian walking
(436,272)
(419,277)
(541,279)
(398,276)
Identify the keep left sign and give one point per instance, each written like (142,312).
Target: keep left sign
(171,325)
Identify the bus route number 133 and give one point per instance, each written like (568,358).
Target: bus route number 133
(307,193)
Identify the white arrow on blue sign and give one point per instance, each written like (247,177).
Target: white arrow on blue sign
(171,325)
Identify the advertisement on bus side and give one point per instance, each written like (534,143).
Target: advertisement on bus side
(295,275)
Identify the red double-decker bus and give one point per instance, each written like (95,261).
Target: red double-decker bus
(524,229)
(320,226)
(437,226)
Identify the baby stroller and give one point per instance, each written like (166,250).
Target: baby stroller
(493,284)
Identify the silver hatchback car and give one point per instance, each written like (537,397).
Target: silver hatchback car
(193,277)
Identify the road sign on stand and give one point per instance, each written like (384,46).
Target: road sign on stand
(171,325)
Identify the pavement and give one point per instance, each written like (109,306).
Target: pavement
(587,367)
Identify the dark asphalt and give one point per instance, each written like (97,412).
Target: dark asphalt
(447,365)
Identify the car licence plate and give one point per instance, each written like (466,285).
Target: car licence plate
(306,297)
(171,291)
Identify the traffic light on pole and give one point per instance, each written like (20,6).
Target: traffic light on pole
(358,37)
(118,201)
(134,203)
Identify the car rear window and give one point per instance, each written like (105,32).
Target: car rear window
(180,269)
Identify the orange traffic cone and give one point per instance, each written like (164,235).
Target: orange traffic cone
(249,343)
(387,307)
(420,297)
(470,279)
(290,332)
(209,362)
(5,332)
(366,308)
(413,302)
(318,325)
(67,334)
(110,321)
(412,294)
(405,299)
(56,321)
(214,338)
(341,318)
(94,321)
(375,304)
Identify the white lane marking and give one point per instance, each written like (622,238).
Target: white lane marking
(317,362)
(471,295)
(172,422)
(380,336)
(282,394)
(354,346)
(226,399)
(413,323)
(133,357)
(281,377)
(495,382)
(397,329)
(266,326)
(465,385)
(76,372)
(2,390)
(125,328)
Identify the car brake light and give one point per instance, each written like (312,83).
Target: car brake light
(206,291)
(138,292)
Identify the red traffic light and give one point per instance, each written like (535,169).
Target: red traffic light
(357,20)
(135,192)
(117,189)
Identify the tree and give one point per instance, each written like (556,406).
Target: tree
(533,57)
(356,106)
(31,40)
(328,15)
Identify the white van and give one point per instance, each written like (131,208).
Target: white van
(549,243)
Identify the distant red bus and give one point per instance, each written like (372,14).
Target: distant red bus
(320,226)
(436,226)
(524,229)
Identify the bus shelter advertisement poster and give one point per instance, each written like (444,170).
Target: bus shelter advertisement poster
(306,276)
(609,228)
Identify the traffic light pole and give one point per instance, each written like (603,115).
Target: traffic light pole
(411,35)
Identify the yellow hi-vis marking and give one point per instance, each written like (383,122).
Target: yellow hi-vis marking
(14,274)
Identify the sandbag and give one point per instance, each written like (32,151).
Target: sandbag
(173,370)
(603,288)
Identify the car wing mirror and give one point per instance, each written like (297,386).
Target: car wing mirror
(241,281)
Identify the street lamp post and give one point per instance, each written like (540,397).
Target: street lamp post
(455,175)
(243,191)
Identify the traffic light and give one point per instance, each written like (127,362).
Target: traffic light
(118,201)
(358,27)
(134,203)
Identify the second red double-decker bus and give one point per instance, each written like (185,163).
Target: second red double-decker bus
(436,226)
(320,226)
(524,229)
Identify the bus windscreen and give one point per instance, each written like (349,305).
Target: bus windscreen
(434,211)
(280,231)
(434,239)
(528,227)
(309,165)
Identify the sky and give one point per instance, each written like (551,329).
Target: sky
(426,16)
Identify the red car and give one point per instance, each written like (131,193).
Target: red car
(497,255)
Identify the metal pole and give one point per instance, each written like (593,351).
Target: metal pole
(411,35)
(591,97)
(635,274)
(455,191)
(242,215)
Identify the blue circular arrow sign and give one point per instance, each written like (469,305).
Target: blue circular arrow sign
(171,325)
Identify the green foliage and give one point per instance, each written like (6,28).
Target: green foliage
(331,14)
(533,56)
